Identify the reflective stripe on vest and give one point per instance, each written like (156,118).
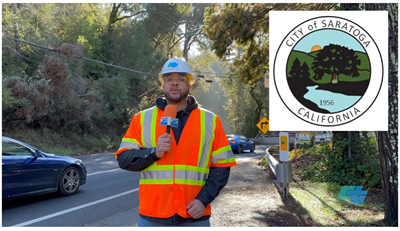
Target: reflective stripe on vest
(166,177)
(156,177)
(190,175)
(157,174)
(223,155)
(129,143)
(207,126)
(184,174)
(148,117)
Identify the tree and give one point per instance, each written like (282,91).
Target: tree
(305,70)
(295,69)
(121,11)
(240,104)
(30,18)
(245,103)
(17,43)
(388,140)
(31,100)
(175,24)
(246,25)
(162,22)
(118,14)
(334,60)
(193,22)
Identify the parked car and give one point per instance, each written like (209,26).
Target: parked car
(240,143)
(28,171)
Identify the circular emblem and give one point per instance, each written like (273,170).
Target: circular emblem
(328,71)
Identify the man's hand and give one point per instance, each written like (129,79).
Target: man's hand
(163,145)
(195,209)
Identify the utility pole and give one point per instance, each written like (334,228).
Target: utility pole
(16,34)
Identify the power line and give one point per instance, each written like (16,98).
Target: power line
(81,57)
(96,61)
(164,15)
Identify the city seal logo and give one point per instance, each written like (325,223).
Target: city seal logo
(328,71)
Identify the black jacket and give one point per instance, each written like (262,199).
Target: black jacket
(139,159)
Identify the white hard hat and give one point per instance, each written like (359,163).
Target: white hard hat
(176,65)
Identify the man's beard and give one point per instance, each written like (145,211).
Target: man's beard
(177,99)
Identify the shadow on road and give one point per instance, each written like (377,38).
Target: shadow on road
(287,213)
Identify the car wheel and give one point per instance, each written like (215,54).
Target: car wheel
(239,149)
(69,181)
(253,147)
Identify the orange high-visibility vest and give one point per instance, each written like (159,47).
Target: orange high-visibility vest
(171,183)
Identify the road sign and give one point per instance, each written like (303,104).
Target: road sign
(263,125)
(283,146)
(304,137)
(284,157)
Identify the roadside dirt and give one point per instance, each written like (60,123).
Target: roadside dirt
(250,199)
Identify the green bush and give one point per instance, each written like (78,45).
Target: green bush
(336,167)
(263,162)
(7,99)
(315,149)
(67,143)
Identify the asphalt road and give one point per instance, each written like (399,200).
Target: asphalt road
(108,199)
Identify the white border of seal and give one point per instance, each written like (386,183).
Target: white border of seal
(354,112)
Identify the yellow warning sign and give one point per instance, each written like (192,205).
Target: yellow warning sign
(263,125)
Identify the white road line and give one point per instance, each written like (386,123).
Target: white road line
(73,209)
(95,173)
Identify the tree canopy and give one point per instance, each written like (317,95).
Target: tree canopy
(334,60)
(246,25)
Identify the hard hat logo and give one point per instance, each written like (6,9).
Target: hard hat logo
(174,64)
(177,65)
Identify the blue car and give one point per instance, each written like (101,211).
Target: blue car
(27,171)
(240,143)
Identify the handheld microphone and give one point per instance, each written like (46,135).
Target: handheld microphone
(169,117)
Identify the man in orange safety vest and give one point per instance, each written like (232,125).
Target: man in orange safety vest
(181,173)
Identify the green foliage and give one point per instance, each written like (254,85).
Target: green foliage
(68,143)
(329,61)
(244,111)
(349,6)
(245,25)
(300,150)
(315,149)
(240,31)
(113,96)
(9,105)
(320,202)
(36,24)
(263,162)
(59,93)
(334,167)
(164,25)
(7,99)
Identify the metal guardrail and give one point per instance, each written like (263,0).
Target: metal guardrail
(272,140)
(272,162)
(277,169)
